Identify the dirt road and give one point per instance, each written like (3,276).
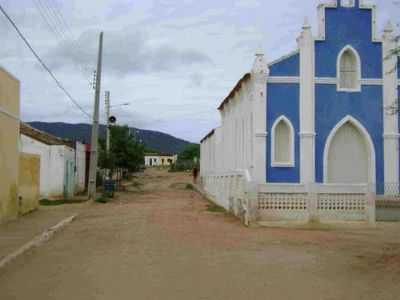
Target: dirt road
(159,241)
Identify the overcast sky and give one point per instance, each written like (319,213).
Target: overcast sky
(174,60)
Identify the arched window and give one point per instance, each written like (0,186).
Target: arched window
(349,70)
(282,143)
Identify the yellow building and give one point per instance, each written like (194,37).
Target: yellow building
(9,152)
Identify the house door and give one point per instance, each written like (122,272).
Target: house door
(348,160)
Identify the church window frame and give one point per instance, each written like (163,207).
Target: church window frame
(350,70)
(275,161)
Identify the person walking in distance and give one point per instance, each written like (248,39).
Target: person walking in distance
(195,174)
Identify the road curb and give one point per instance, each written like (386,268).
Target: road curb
(37,241)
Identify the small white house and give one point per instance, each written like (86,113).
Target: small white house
(62,169)
(159,160)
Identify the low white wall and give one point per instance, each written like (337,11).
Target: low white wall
(315,202)
(290,202)
(232,191)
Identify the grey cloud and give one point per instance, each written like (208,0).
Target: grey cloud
(125,52)
(196,80)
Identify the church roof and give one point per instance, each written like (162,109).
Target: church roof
(210,134)
(237,87)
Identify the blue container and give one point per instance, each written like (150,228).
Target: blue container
(110,187)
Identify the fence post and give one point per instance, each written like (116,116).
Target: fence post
(370,205)
(312,195)
(252,200)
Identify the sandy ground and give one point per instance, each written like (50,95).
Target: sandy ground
(159,241)
(16,233)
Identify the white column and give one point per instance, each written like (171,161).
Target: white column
(391,132)
(259,75)
(307,105)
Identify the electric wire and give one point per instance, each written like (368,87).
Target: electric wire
(60,30)
(40,60)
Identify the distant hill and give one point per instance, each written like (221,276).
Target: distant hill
(154,140)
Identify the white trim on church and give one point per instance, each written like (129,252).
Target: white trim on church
(288,150)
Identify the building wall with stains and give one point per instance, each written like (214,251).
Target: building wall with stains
(9,154)
(29,183)
(57,168)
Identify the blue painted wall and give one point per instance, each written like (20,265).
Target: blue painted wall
(283,99)
(333,106)
(287,67)
(344,26)
(398,68)
(348,26)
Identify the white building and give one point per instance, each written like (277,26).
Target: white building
(307,137)
(159,160)
(62,169)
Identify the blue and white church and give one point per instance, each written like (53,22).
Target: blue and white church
(319,115)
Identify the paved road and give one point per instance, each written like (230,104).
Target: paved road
(159,241)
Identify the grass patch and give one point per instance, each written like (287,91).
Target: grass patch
(190,187)
(102,199)
(214,208)
(47,202)
(137,184)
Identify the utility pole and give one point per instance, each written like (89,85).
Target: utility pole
(107,102)
(95,126)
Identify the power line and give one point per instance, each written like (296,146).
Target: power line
(57,9)
(60,31)
(42,62)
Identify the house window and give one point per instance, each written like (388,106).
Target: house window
(349,70)
(282,143)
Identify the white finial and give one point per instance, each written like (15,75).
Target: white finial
(306,24)
(389,27)
(260,66)
(259,51)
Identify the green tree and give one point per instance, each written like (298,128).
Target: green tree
(125,153)
(190,152)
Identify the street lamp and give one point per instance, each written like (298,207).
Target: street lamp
(110,119)
(122,104)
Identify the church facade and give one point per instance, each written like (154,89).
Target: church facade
(320,115)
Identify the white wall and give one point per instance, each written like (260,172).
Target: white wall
(230,147)
(159,160)
(52,165)
(155,159)
(239,144)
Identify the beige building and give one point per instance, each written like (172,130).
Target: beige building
(9,152)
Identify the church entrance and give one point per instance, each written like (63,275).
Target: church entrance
(348,155)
